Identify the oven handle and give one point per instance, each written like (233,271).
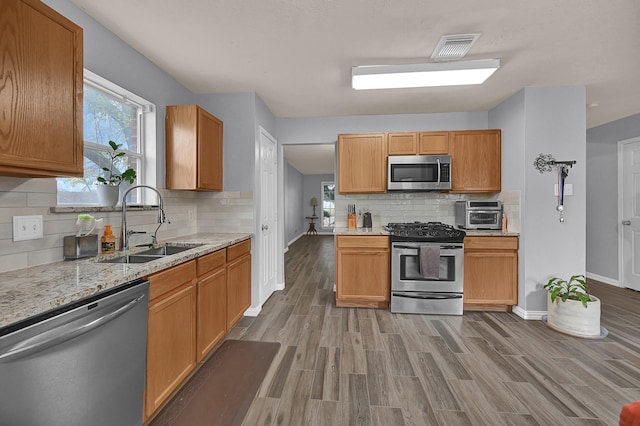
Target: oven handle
(416,247)
(427,295)
(439,170)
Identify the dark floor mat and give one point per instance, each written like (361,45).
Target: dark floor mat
(220,393)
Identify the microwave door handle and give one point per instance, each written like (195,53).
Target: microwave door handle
(439,170)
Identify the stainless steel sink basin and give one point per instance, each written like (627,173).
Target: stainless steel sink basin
(151,254)
(168,249)
(131,258)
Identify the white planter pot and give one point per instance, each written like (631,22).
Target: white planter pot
(573,318)
(108,195)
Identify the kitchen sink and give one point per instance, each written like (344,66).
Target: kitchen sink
(132,258)
(151,254)
(168,249)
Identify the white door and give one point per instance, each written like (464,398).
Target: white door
(268,215)
(629,157)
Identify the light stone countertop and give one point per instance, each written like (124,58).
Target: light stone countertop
(376,230)
(490,233)
(35,290)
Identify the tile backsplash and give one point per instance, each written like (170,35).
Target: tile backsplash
(188,212)
(420,206)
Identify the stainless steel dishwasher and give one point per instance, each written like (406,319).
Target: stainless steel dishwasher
(81,364)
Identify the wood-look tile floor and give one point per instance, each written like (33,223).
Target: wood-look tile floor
(348,366)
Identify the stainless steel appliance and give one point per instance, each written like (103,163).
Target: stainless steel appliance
(419,173)
(367,221)
(478,214)
(415,247)
(82,364)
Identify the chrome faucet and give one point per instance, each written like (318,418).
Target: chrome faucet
(161,216)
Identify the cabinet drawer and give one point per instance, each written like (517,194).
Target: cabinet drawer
(491,243)
(237,250)
(165,281)
(211,261)
(344,241)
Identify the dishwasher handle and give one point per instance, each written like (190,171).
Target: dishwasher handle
(18,351)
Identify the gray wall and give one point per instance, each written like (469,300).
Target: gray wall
(312,188)
(108,56)
(602,198)
(293,204)
(552,121)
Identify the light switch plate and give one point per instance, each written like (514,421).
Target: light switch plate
(27,228)
(568,189)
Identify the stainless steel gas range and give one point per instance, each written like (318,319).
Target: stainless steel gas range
(427,268)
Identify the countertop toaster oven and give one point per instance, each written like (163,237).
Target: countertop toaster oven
(478,214)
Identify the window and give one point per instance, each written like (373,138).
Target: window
(328,204)
(110,113)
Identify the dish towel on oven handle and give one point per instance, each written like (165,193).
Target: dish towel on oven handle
(429,262)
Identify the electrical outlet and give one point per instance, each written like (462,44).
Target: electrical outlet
(568,189)
(27,228)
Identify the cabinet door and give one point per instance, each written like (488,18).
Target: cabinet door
(403,143)
(171,344)
(362,163)
(238,289)
(476,161)
(433,143)
(210,157)
(41,90)
(212,311)
(491,272)
(193,149)
(362,271)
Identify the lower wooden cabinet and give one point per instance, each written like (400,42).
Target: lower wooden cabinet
(192,306)
(490,273)
(238,281)
(171,334)
(212,301)
(362,271)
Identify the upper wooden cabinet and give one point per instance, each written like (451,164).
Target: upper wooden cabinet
(475,160)
(362,163)
(423,143)
(194,154)
(41,90)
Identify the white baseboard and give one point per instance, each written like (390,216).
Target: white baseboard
(602,279)
(253,311)
(528,315)
(294,240)
(279,286)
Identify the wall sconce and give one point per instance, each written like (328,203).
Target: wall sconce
(314,203)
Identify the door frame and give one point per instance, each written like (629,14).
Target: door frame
(621,145)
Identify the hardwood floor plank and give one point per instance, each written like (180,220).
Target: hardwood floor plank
(324,413)
(352,358)
(295,403)
(371,337)
(355,400)
(447,336)
(262,412)
(326,379)
(386,416)
(279,379)
(450,364)
(379,380)
(414,401)
(399,361)
(434,382)
(453,418)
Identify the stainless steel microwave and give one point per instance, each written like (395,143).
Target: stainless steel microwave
(419,173)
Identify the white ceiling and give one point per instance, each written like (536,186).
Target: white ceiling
(297,54)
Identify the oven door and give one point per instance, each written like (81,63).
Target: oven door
(484,219)
(405,268)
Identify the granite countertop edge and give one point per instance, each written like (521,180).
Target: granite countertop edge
(31,291)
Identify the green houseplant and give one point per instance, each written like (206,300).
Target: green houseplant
(113,176)
(109,184)
(571,309)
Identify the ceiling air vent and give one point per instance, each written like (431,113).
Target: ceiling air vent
(453,46)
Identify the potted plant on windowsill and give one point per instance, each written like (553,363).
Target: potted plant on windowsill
(109,184)
(571,309)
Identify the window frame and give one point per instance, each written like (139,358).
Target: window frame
(322,185)
(146,135)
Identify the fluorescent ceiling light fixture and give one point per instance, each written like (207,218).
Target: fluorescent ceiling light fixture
(423,75)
